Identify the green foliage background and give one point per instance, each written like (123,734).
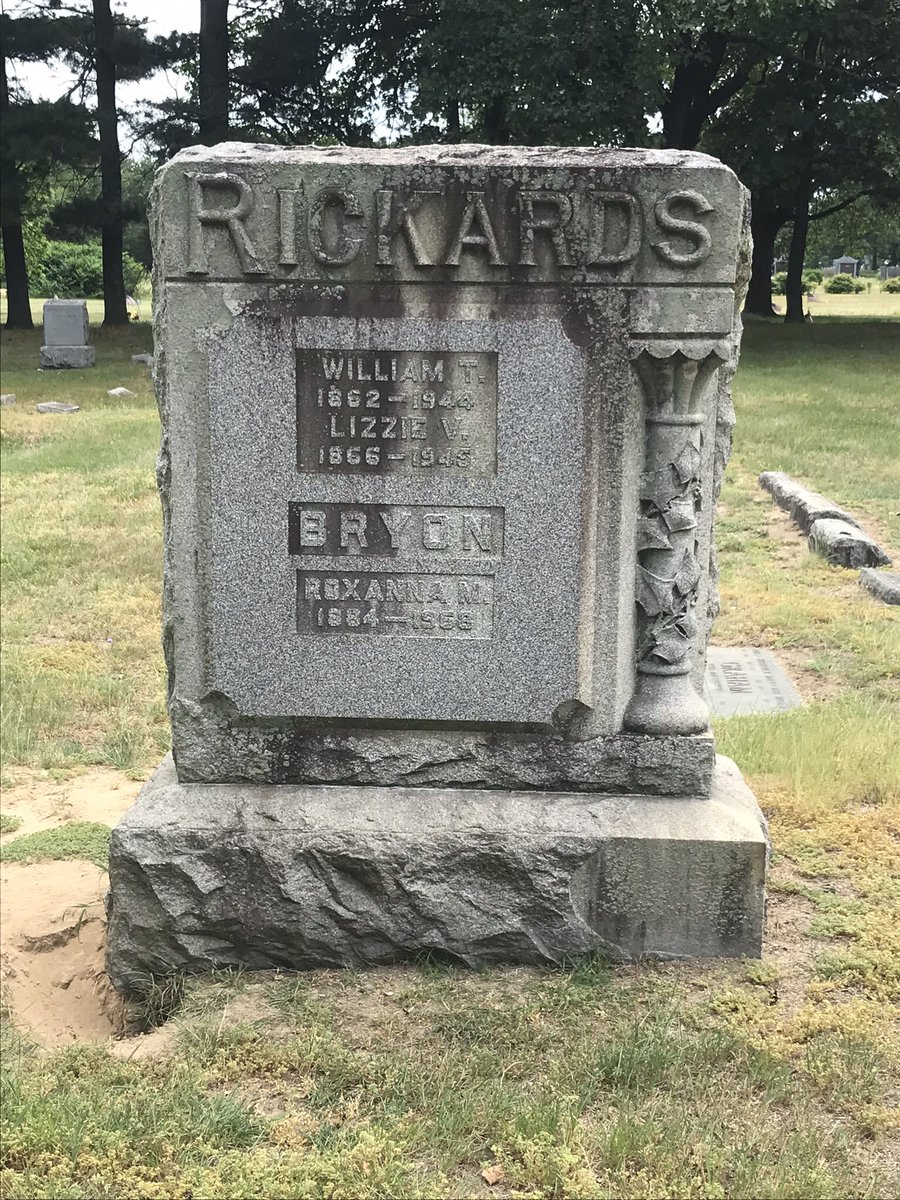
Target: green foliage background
(74,270)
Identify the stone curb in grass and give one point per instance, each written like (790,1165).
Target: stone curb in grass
(883,585)
(833,532)
(805,507)
(845,545)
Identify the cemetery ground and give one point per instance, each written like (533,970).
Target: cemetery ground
(711,1079)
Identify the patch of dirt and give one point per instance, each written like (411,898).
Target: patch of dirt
(98,795)
(812,685)
(156,1044)
(791,543)
(52,931)
(787,945)
(52,943)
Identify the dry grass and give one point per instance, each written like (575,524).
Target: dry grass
(771,1079)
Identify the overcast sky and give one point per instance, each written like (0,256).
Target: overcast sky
(46,83)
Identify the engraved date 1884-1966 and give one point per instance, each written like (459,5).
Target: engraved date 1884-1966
(394,603)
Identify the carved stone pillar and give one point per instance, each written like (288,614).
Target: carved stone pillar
(677,381)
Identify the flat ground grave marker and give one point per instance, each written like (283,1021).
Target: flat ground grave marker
(443,429)
(746,679)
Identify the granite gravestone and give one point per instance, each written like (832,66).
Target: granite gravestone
(66,333)
(443,430)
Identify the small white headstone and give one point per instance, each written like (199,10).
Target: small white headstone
(66,323)
(66,332)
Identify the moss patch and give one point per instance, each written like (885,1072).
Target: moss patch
(76,839)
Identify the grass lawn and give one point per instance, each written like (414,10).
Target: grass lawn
(775,1078)
(864,306)
(95,307)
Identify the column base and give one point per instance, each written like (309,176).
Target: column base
(666,703)
(297,876)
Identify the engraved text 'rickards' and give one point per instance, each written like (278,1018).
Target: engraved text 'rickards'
(335,225)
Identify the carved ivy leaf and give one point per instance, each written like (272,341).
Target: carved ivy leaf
(665,640)
(688,574)
(680,514)
(687,624)
(659,489)
(687,464)
(654,593)
(671,648)
(652,535)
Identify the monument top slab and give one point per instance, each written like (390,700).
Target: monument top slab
(521,215)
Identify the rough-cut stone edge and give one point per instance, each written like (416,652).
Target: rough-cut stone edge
(468,154)
(205,875)
(845,545)
(210,747)
(804,506)
(67,357)
(883,585)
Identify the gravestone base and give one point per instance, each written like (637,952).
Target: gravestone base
(297,876)
(212,748)
(61,357)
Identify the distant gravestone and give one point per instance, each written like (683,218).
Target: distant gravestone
(443,429)
(741,680)
(66,334)
(56,406)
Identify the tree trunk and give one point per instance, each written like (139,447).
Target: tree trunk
(683,114)
(18,305)
(689,102)
(806,149)
(454,128)
(793,288)
(115,310)
(764,225)
(496,129)
(213,71)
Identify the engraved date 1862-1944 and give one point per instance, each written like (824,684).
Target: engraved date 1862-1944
(373,412)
